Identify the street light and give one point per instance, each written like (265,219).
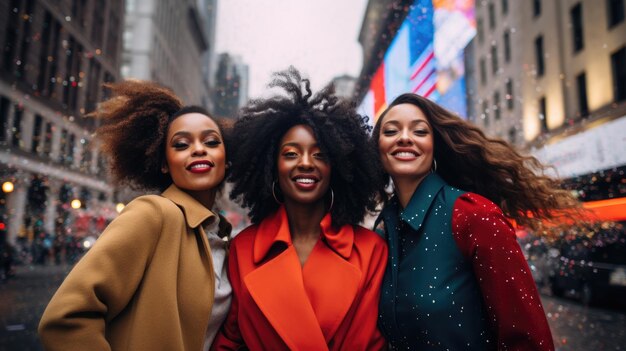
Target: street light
(7,187)
(75,204)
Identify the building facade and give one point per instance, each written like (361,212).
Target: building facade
(164,41)
(231,85)
(546,76)
(539,71)
(551,78)
(57,55)
(380,23)
(208,13)
(495,69)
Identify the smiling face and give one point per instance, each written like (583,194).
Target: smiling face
(194,153)
(405,143)
(303,170)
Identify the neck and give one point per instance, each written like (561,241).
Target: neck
(405,187)
(304,219)
(205,197)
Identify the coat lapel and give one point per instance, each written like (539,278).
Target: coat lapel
(414,214)
(195,214)
(333,288)
(295,299)
(278,290)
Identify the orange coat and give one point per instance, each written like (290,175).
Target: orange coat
(329,304)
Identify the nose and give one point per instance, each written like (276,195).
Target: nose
(306,162)
(405,137)
(198,149)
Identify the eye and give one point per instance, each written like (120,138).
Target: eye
(180,145)
(389,132)
(212,142)
(421,132)
(290,154)
(320,156)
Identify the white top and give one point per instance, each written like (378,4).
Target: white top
(223,290)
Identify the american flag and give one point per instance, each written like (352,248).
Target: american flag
(423,79)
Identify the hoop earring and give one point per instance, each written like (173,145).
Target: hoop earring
(433,169)
(332,199)
(274,193)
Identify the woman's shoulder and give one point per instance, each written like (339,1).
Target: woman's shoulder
(151,199)
(153,207)
(475,203)
(475,213)
(154,201)
(371,247)
(364,235)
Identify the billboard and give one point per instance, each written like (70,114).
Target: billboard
(426,57)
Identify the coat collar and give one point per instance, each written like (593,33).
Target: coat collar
(275,228)
(195,212)
(282,288)
(420,202)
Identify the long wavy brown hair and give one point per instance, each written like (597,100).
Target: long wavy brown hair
(469,160)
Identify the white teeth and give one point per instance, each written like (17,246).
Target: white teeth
(199,166)
(305,180)
(405,154)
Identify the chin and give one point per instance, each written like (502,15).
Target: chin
(402,172)
(202,187)
(308,200)
(407,174)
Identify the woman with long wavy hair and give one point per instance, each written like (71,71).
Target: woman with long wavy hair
(456,277)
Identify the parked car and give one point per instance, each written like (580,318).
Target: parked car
(592,268)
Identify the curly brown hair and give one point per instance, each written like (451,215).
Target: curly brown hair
(469,160)
(135,123)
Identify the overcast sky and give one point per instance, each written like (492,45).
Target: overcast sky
(319,37)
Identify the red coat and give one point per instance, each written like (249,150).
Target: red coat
(329,304)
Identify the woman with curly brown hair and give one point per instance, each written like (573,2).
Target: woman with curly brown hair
(155,278)
(305,276)
(456,278)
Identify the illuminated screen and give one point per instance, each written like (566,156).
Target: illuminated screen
(426,57)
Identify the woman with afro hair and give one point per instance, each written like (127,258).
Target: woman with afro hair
(305,276)
(155,278)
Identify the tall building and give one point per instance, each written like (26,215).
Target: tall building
(208,13)
(231,85)
(164,41)
(551,77)
(495,69)
(56,55)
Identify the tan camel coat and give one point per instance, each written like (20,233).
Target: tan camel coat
(147,283)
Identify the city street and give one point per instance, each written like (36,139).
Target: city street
(575,327)
(23,299)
